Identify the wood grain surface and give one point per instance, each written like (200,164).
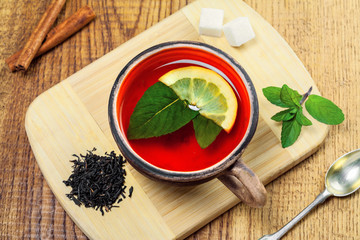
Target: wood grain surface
(325,36)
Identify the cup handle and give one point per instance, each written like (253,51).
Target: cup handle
(244,184)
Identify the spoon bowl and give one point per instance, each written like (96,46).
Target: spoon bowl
(342,179)
(343,176)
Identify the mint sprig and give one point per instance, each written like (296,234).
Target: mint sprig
(160,111)
(292,118)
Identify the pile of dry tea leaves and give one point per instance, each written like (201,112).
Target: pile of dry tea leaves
(98,181)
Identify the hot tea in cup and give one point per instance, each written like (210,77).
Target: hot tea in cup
(177,157)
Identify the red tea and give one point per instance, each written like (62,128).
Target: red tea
(179,151)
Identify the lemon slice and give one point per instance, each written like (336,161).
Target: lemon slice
(205,91)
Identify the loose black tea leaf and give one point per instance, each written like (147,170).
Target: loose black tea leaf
(131,191)
(97,181)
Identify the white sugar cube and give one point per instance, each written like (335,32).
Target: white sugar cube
(238,31)
(211,22)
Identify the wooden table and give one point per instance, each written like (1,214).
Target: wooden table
(325,36)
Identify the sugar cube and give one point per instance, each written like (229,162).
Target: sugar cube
(238,31)
(211,22)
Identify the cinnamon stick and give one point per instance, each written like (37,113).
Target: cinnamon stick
(37,37)
(59,33)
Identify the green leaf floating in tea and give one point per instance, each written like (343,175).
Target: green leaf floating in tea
(206,130)
(160,111)
(185,94)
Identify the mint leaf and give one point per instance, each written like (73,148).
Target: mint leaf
(290,97)
(285,115)
(206,130)
(273,95)
(293,118)
(290,132)
(324,110)
(301,119)
(159,111)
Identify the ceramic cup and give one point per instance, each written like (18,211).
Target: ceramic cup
(229,167)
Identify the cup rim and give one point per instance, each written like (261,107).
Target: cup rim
(155,172)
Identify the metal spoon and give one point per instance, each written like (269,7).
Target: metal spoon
(342,179)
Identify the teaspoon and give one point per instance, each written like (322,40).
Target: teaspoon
(342,179)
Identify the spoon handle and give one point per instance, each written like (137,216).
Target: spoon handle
(319,199)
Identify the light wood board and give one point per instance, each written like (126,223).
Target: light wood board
(72,117)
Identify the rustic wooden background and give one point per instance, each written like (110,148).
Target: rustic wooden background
(325,34)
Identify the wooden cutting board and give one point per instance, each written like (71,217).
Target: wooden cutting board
(71,118)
